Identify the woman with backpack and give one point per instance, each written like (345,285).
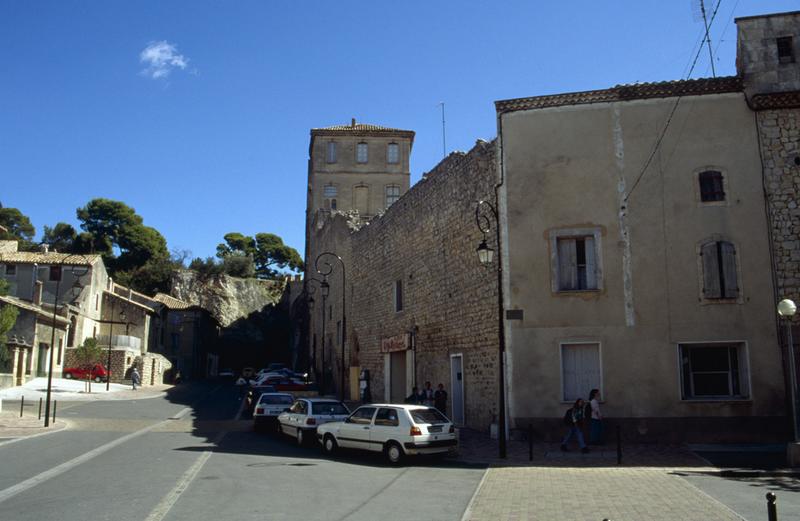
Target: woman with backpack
(573,419)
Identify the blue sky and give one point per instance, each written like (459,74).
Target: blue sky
(207,131)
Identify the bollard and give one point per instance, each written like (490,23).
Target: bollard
(55,404)
(40,408)
(619,445)
(772,510)
(21,405)
(530,442)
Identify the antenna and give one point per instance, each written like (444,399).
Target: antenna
(444,142)
(700,13)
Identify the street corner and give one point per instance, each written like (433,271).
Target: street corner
(14,428)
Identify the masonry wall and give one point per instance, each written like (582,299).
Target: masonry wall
(427,240)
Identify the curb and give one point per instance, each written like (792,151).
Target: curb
(64,424)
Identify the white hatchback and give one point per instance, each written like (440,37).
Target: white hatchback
(395,430)
(267,409)
(306,414)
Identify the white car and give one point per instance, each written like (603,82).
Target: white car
(306,414)
(268,407)
(395,430)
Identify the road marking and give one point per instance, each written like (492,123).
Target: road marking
(468,511)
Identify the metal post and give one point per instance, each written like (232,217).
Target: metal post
(40,408)
(324,312)
(55,405)
(792,377)
(619,445)
(110,340)
(52,348)
(21,405)
(325,271)
(772,509)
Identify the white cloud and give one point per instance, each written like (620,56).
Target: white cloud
(160,58)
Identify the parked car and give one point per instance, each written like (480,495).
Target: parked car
(98,373)
(306,414)
(254,393)
(396,430)
(268,407)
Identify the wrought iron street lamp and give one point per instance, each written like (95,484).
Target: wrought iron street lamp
(326,270)
(787,309)
(485,256)
(77,272)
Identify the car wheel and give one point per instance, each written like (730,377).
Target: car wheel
(329,445)
(394,453)
(301,437)
(97,379)
(68,376)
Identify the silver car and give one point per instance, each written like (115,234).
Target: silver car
(306,414)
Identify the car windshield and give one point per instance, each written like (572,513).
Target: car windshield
(328,408)
(431,416)
(276,399)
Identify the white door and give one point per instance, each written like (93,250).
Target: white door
(457,389)
(580,366)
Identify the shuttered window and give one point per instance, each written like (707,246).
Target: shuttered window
(361,153)
(711,187)
(720,279)
(577,268)
(710,371)
(331,152)
(580,366)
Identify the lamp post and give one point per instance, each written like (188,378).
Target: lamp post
(122,317)
(325,270)
(485,256)
(324,290)
(310,290)
(787,309)
(77,285)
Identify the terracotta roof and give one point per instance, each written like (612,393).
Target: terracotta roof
(171,302)
(358,127)
(28,257)
(777,100)
(130,301)
(30,306)
(664,89)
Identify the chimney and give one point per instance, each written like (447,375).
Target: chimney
(37,293)
(353,123)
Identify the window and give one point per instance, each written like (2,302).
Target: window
(398,295)
(361,199)
(387,417)
(329,192)
(363,415)
(299,407)
(719,270)
(55,273)
(97,302)
(392,194)
(713,371)
(711,187)
(328,408)
(580,370)
(785,49)
(11,269)
(577,268)
(393,153)
(361,153)
(330,156)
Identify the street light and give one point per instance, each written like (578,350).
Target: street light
(77,273)
(325,270)
(310,289)
(787,309)
(122,317)
(485,256)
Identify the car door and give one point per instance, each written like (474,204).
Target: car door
(354,431)
(293,417)
(385,427)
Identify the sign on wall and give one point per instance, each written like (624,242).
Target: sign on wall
(399,342)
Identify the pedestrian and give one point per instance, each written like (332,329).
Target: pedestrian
(416,396)
(428,391)
(440,399)
(135,378)
(596,422)
(573,419)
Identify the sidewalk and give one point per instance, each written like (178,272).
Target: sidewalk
(557,485)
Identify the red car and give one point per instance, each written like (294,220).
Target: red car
(99,373)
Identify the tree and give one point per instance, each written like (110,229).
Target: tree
(18,227)
(206,268)
(267,251)
(8,317)
(87,355)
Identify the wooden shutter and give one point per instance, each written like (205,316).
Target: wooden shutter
(728,255)
(581,370)
(567,264)
(711,285)
(591,264)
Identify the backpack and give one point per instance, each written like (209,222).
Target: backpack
(568,418)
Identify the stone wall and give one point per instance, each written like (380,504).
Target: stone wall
(427,240)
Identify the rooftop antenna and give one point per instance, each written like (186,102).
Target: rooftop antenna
(444,142)
(700,13)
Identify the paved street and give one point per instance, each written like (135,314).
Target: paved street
(183,455)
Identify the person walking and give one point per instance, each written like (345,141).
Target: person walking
(440,399)
(135,378)
(573,419)
(596,422)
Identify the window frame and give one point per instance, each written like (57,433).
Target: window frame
(55,273)
(397,295)
(387,422)
(10,270)
(362,145)
(726,188)
(389,154)
(331,150)
(561,345)
(701,266)
(781,47)
(387,195)
(555,272)
(743,363)
(717,179)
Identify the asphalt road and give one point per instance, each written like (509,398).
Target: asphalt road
(185,457)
